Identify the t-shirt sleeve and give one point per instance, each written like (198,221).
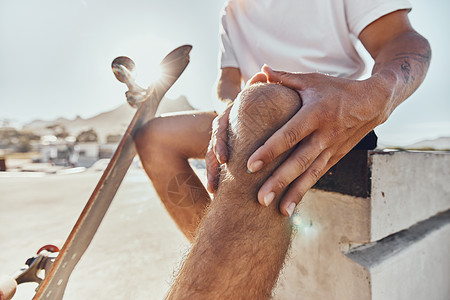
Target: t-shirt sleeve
(227,57)
(361,13)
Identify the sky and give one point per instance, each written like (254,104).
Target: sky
(56,56)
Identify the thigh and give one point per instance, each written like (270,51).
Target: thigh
(187,133)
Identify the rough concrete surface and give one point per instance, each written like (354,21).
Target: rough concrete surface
(411,264)
(317,269)
(138,248)
(134,254)
(420,271)
(407,187)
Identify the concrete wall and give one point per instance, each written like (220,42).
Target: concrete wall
(407,187)
(393,243)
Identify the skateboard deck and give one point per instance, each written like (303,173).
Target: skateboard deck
(173,65)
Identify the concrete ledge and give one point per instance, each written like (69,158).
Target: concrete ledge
(325,223)
(373,254)
(377,226)
(404,187)
(329,259)
(412,264)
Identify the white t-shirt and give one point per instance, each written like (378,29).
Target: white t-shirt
(298,35)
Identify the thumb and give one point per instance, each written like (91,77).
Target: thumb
(258,77)
(294,81)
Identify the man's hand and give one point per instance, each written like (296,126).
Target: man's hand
(336,114)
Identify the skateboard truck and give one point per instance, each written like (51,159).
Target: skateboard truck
(34,266)
(42,261)
(123,68)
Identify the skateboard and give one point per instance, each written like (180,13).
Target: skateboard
(58,264)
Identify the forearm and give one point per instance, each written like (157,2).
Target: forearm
(229,84)
(400,67)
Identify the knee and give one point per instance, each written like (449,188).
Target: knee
(259,111)
(149,139)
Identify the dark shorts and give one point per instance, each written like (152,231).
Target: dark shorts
(369,142)
(351,175)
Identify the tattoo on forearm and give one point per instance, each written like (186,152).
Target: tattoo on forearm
(422,58)
(406,70)
(405,64)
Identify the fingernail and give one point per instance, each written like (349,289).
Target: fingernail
(269,198)
(255,166)
(290,209)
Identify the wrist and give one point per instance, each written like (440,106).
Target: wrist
(382,87)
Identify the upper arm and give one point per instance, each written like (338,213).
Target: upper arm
(229,83)
(231,74)
(383,30)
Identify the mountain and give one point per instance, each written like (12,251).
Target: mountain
(106,123)
(442,143)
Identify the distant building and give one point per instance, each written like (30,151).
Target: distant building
(67,152)
(88,153)
(107,150)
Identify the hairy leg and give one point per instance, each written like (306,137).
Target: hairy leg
(164,146)
(241,246)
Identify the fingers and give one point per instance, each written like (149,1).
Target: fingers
(304,167)
(212,170)
(289,135)
(302,184)
(297,163)
(217,151)
(219,136)
(295,81)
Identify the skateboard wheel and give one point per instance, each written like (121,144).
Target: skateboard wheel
(49,248)
(125,62)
